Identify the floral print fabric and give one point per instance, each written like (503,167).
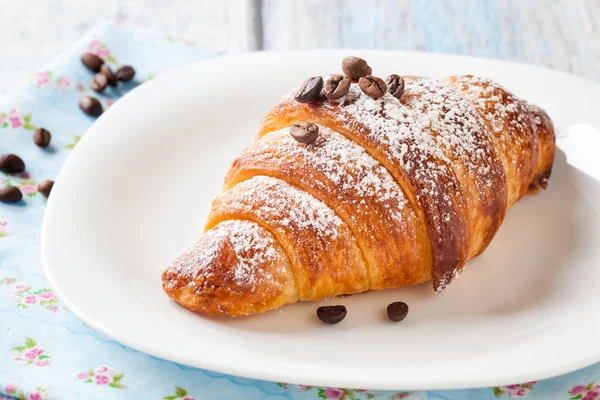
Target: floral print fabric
(46,353)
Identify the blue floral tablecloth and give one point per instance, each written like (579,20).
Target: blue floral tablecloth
(45,351)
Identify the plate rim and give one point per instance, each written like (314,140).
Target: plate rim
(223,367)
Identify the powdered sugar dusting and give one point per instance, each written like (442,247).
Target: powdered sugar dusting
(356,176)
(253,248)
(275,200)
(400,131)
(502,109)
(458,128)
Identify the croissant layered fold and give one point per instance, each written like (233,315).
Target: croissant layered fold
(392,193)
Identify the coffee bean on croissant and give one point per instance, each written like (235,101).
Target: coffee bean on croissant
(395,85)
(310,90)
(337,86)
(372,86)
(305,132)
(355,67)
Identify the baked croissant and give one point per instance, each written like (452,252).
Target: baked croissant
(391,193)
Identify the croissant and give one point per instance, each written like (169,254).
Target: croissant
(393,192)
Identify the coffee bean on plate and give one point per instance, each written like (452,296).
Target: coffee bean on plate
(305,132)
(372,86)
(45,187)
(397,311)
(337,86)
(310,90)
(10,194)
(125,73)
(395,85)
(355,67)
(110,75)
(90,106)
(11,163)
(99,82)
(92,61)
(331,314)
(41,137)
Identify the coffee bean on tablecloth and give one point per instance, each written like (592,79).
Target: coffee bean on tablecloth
(372,86)
(99,82)
(110,75)
(125,73)
(331,314)
(355,67)
(92,61)
(11,163)
(397,311)
(91,106)
(310,90)
(45,187)
(10,194)
(305,132)
(41,137)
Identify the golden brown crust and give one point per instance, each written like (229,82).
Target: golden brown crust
(323,253)
(392,193)
(507,119)
(236,268)
(358,189)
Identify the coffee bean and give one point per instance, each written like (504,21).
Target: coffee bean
(45,187)
(41,137)
(92,61)
(11,163)
(337,87)
(397,311)
(395,85)
(125,73)
(109,74)
(310,90)
(10,194)
(356,67)
(331,314)
(90,106)
(372,86)
(305,132)
(99,82)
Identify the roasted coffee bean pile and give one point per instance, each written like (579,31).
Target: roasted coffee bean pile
(13,164)
(356,70)
(104,77)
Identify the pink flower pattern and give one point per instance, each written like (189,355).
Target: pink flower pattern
(3,228)
(13,390)
(347,394)
(591,391)
(517,390)
(27,186)
(103,375)
(45,79)
(30,354)
(26,297)
(42,78)
(13,119)
(100,49)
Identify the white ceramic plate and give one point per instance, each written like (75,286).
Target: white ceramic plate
(137,189)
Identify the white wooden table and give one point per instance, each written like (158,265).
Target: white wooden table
(560,34)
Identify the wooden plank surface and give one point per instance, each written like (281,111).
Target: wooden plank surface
(34,31)
(560,34)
